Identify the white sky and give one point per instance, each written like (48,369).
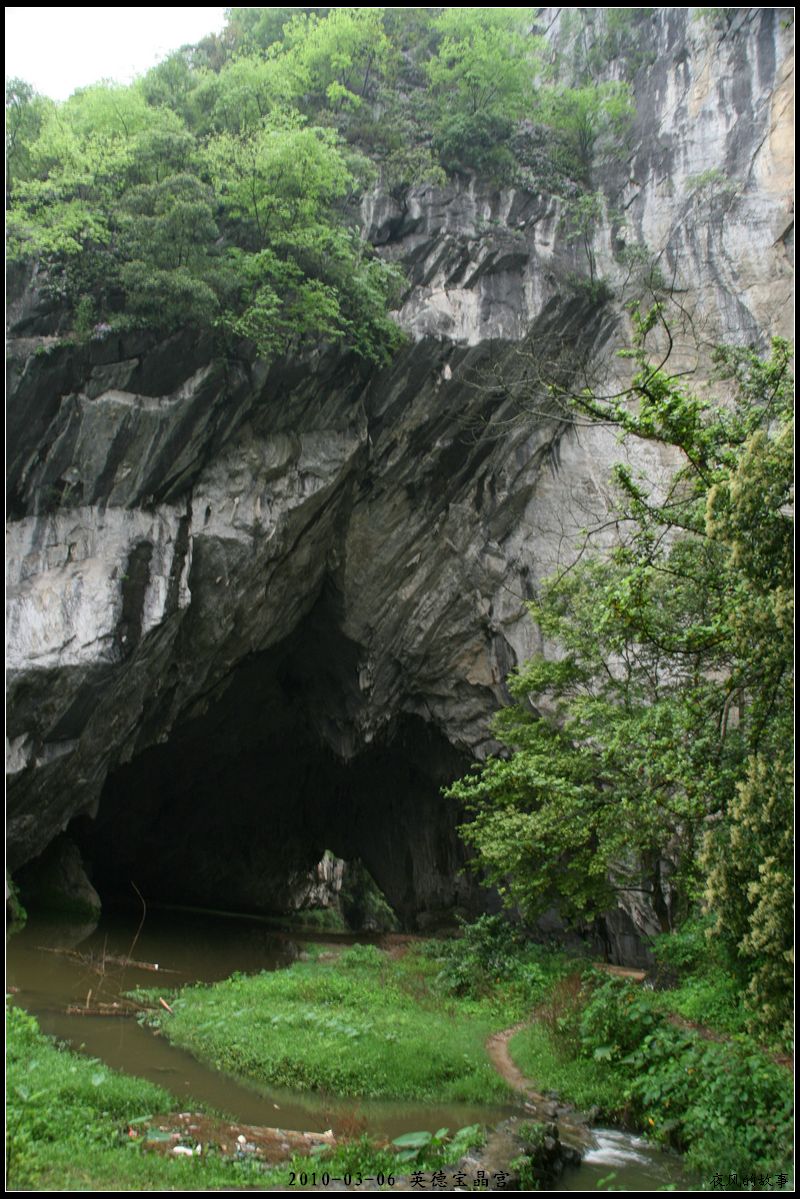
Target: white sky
(59,49)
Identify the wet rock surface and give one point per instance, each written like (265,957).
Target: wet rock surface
(520,1155)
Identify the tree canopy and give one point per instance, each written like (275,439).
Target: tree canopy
(237,162)
(650,750)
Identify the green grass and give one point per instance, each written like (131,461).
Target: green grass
(578,1081)
(364,1025)
(713,1000)
(322,920)
(705,990)
(67,1128)
(68,1118)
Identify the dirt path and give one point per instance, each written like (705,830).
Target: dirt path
(497,1048)
(573,1127)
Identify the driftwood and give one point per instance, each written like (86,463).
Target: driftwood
(140,965)
(105,1009)
(107,959)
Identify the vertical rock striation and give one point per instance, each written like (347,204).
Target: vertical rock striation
(255,612)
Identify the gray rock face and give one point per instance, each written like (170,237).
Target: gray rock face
(257,613)
(59,883)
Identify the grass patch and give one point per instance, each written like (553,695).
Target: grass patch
(323,920)
(713,1000)
(67,1129)
(365,1025)
(704,990)
(581,1082)
(67,1121)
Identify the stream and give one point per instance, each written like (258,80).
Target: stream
(207,948)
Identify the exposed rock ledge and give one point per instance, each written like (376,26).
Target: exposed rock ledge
(254,613)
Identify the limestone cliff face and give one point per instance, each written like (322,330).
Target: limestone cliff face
(259,612)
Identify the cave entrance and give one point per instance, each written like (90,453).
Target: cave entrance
(238,806)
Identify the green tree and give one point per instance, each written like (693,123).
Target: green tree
(25,111)
(343,55)
(594,115)
(301,274)
(281,177)
(482,81)
(250,90)
(659,732)
(581,217)
(258,29)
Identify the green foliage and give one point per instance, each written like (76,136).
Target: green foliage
(360,1157)
(616,1017)
(490,953)
(362,902)
(177,295)
(713,178)
(252,29)
(235,163)
(644,273)
(595,116)
(25,112)
(688,950)
(664,723)
(359,956)
(84,317)
(68,1122)
(705,989)
(61,1099)
(590,39)
(530,1173)
(712,189)
(326,919)
(202,195)
(581,1081)
(16,914)
(364,1026)
(429,1150)
(482,82)
(713,1000)
(581,216)
(716,1102)
(342,56)
(280,178)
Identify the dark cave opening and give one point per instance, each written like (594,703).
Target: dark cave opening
(237,807)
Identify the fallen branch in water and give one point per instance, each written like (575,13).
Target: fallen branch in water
(129,1008)
(86,959)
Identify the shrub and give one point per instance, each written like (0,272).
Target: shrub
(720,1103)
(615,1018)
(561,1011)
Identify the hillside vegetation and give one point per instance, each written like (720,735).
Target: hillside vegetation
(220,190)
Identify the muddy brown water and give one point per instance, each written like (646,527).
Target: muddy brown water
(207,948)
(201,949)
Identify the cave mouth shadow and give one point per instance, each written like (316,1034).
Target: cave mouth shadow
(238,806)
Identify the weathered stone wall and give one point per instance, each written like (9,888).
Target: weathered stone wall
(277,606)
